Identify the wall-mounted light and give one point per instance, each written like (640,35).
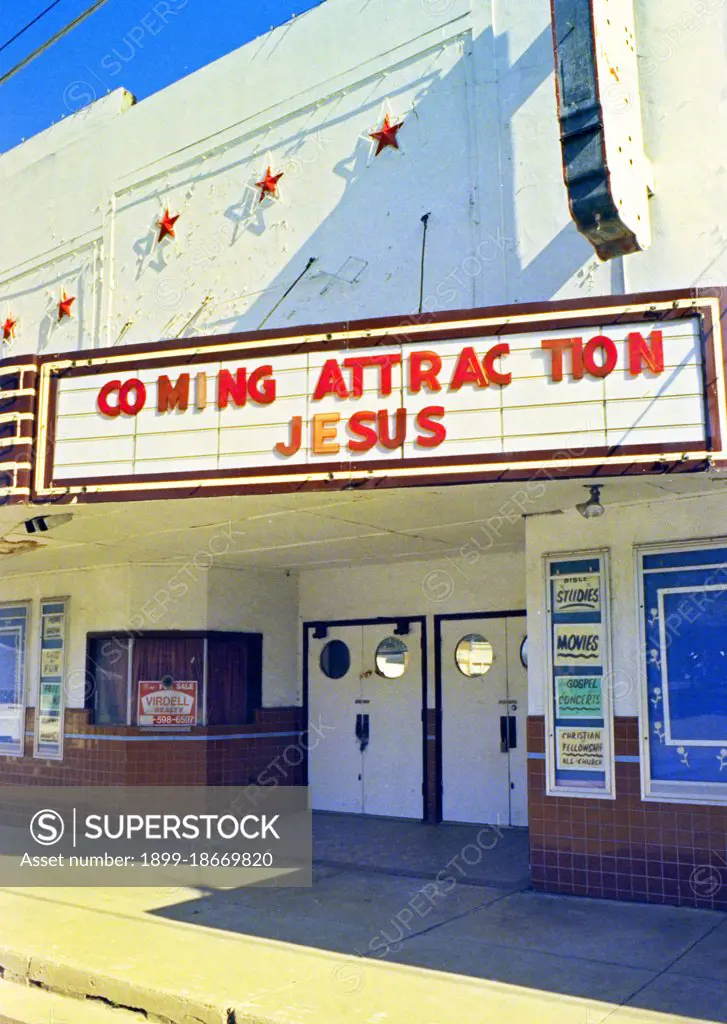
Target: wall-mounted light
(592,508)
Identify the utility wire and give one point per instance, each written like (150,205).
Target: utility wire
(54,39)
(29,25)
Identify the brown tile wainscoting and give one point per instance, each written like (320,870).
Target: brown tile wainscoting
(269,751)
(626,848)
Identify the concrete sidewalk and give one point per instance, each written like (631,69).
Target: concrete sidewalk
(500,957)
(378,938)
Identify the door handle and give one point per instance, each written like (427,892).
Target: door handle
(363,729)
(508,733)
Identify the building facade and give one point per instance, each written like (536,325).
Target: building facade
(334,453)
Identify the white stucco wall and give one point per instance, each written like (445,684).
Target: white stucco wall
(490,583)
(99,601)
(130,599)
(619,530)
(479,151)
(267,603)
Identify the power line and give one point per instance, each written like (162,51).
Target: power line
(54,39)
(29,25)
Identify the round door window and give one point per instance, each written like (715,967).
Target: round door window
(335,659)
(392,658)
(474,655)
(524,652)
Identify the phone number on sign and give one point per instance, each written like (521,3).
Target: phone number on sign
(167,720)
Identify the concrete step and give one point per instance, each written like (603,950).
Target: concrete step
(27,1004)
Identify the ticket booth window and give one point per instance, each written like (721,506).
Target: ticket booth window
(175,679)
(167,661)
(234,679)
(107,679)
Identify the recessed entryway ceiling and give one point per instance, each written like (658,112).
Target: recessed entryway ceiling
(312,529)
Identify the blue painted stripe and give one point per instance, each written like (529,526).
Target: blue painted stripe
(621,758)
(177,737)
(575,565)
(712,556)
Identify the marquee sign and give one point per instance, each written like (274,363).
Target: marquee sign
(561,388)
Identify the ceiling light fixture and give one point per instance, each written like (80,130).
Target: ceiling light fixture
(592,508)
(41,524)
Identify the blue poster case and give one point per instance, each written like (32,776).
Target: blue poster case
(13,646)
(49,712)
(684,654)
(579,706)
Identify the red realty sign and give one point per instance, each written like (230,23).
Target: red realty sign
(167,702)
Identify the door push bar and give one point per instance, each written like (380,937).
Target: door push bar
(363,731)
(508,733)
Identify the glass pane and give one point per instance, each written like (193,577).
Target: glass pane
(524,652)
(108,679)
(49,713)
(392,658)
(335,659)
(13,628)
(474,655)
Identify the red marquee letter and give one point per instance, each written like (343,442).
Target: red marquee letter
(173,397)
(424,376)
(640,353)
(263,394)
(385,438)
(556,347)
(468,371)
(361,426)
(103,398)
(426,421)
(496,352)
(227,388)
(610,356)
(330,382)
(132,408)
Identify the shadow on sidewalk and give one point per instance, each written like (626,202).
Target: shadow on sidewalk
(457,899)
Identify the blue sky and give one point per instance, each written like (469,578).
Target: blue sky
(142,45)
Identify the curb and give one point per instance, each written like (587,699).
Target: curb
(67,979)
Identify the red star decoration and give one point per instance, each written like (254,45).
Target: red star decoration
(9,329)
(269,185)
(387,135)
(166,225)
(64,306)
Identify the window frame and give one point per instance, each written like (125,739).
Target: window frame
(66,602)
(29,626)
(255,638)
(573,791)
(711,794)
(472,675)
